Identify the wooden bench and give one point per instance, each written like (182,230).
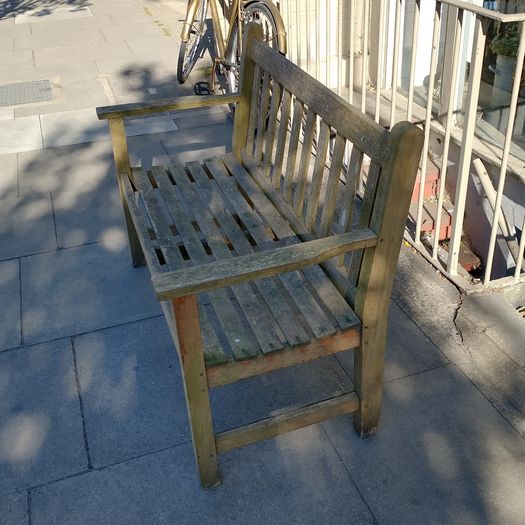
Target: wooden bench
(264,258)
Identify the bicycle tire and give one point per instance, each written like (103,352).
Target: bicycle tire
(189,51)
(255,12)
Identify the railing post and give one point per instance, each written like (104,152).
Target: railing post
(506,150)
(471,110)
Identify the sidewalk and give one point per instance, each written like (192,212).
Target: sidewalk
(93,424)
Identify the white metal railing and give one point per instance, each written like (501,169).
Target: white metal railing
(422,60)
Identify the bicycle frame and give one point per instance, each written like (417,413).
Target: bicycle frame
(235,14)
(193,5)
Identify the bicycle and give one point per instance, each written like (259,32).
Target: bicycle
(228,52)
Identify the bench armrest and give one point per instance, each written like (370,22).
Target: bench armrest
(223,273)
(162,106)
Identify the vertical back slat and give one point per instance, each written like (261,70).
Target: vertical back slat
(252,121)
(281,138)
(349,193)
(272,125)
(317,177)
(292,148)
(262,118)
(332,186)
(306,153)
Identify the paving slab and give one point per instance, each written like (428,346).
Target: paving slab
(296,478)
(442,455)
(68,97)
(7,113)
(65,36)
(130,32)
(201,143)
(131,390)
(21,134)
(435,305)
(83,289)
(409,351)
(143,80)
(73,173)
(72,127)
(16,58)
(37,422)
(88,215)
(76,71)
(67,171)
(9,304)
(62,54)
(47,13)
(14,509)
(496,318)
(8,175)
(26,226)
(210,119)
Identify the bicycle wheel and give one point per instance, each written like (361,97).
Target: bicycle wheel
(261,14)
(189,51)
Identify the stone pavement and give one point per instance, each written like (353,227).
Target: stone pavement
(93,425)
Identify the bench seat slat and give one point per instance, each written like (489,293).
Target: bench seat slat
(262,323)
(209,193)
(334,302)
(242,343)
(294,282)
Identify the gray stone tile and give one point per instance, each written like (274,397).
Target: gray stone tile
(66,36)
(150,125)
(21,134)
(143,80)
(198,143)
(14,509)
(9,176)
(66,171)
(409,351)
(72,127)
(47,13)
(62,54)
(74,71)
(132,32)
(7,113)
(9,304)
(197,121)
(494,316)
(148,150)
(89,214)
(69,172)
(296,478)
(26,226)
(443,454)
(16,58)
(132,391)
(41,436)
(83,289)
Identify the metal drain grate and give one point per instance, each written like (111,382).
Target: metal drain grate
(25,92)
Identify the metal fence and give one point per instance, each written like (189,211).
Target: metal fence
(428,62)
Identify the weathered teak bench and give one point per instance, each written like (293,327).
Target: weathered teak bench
(253,254)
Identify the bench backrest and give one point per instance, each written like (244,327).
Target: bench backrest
(308,147)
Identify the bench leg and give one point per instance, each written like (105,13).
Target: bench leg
(368,377)
(196,387)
